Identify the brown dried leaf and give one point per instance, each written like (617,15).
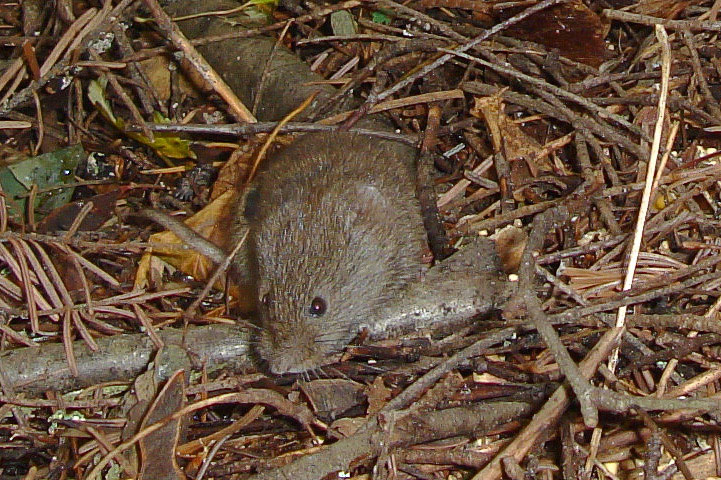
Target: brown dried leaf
(157,71)
(330,398)
(211,222)
(62,217)
(378,395)
(235,171)
(157,449)
(510,242)
(571,28)
(668,9)
(519,149)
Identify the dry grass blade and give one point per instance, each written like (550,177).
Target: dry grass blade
(32,296)
(48,286)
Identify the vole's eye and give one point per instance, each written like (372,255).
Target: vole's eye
(317,307)
(265,300)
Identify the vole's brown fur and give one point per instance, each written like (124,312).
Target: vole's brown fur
(333,217)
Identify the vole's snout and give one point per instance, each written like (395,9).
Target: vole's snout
(290,351)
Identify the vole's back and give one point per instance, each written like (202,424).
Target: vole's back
(335,231)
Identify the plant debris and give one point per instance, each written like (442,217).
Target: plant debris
(569,152)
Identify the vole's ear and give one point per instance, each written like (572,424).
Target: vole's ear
(250,204)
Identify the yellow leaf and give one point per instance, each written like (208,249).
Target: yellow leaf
(209,224)
(164,144)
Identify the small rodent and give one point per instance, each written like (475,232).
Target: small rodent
(334,232)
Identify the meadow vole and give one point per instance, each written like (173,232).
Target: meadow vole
(334,232)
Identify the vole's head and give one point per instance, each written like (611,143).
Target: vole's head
(323,268)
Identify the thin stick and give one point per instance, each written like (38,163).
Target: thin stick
(650,171)
(274,134)
(190,312)
(200,65)
(423,72)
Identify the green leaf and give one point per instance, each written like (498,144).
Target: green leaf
(48,170)
(382,16)
(96,95)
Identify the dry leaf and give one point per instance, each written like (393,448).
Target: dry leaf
(519,149)
(378,395)
(510,242)
(212,223)
(157,71)
(572,29)
(668,9)
(235,171)
(157,449)
(330,398)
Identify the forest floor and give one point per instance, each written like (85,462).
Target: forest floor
(580,137)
